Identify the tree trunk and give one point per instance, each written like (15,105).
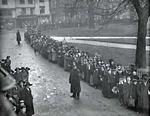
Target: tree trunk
(91,14)
(140,60)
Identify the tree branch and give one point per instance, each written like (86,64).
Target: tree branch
(137,6)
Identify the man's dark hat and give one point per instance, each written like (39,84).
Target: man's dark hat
(135,77)
(8,57)
(144,77)
(22,68)
(3,60)
(12,71)
(110,60)
(16,69)
(27,68)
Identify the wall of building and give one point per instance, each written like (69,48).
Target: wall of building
(16,7)
(26,5)
(8,10)
(44,4)
(10,5)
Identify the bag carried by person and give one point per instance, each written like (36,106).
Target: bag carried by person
(131,102)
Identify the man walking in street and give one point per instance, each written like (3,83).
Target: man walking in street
(74,80)
(18,37)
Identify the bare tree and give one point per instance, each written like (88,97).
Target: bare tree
(142,8)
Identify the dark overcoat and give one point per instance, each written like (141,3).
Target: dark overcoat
(145,97)
(126,93)
(133,91)
(95,77)
(74,80)
(139,96)
(18,36)
(105,87)
(26,95)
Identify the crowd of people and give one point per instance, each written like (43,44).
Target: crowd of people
(20,95)
(113,79)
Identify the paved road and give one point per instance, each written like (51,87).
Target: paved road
(107,44)
(51,88)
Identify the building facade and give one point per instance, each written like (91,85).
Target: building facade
(24,11)
(60,12)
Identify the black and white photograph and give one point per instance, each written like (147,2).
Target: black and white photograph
(74,57)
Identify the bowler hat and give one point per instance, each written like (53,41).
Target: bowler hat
(22,68)
(16,69)
(3,60)
(8,57)
(27,68)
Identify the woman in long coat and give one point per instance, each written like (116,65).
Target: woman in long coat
(18,39)
(145,98)
(95,78)
(139,96)
(105,86)
(74,80)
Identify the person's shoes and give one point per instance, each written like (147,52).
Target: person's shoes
(72,96)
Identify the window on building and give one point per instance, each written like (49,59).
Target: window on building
(4,2)
(30,1)
(32,11)
(23,11)
(22,1)
(42,9)
(5,12)
(41,0)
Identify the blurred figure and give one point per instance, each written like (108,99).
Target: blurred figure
(6,83)
(17,75)
(18,37)
(8,64)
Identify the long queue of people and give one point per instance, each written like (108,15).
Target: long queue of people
(20,95)
(113,79)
